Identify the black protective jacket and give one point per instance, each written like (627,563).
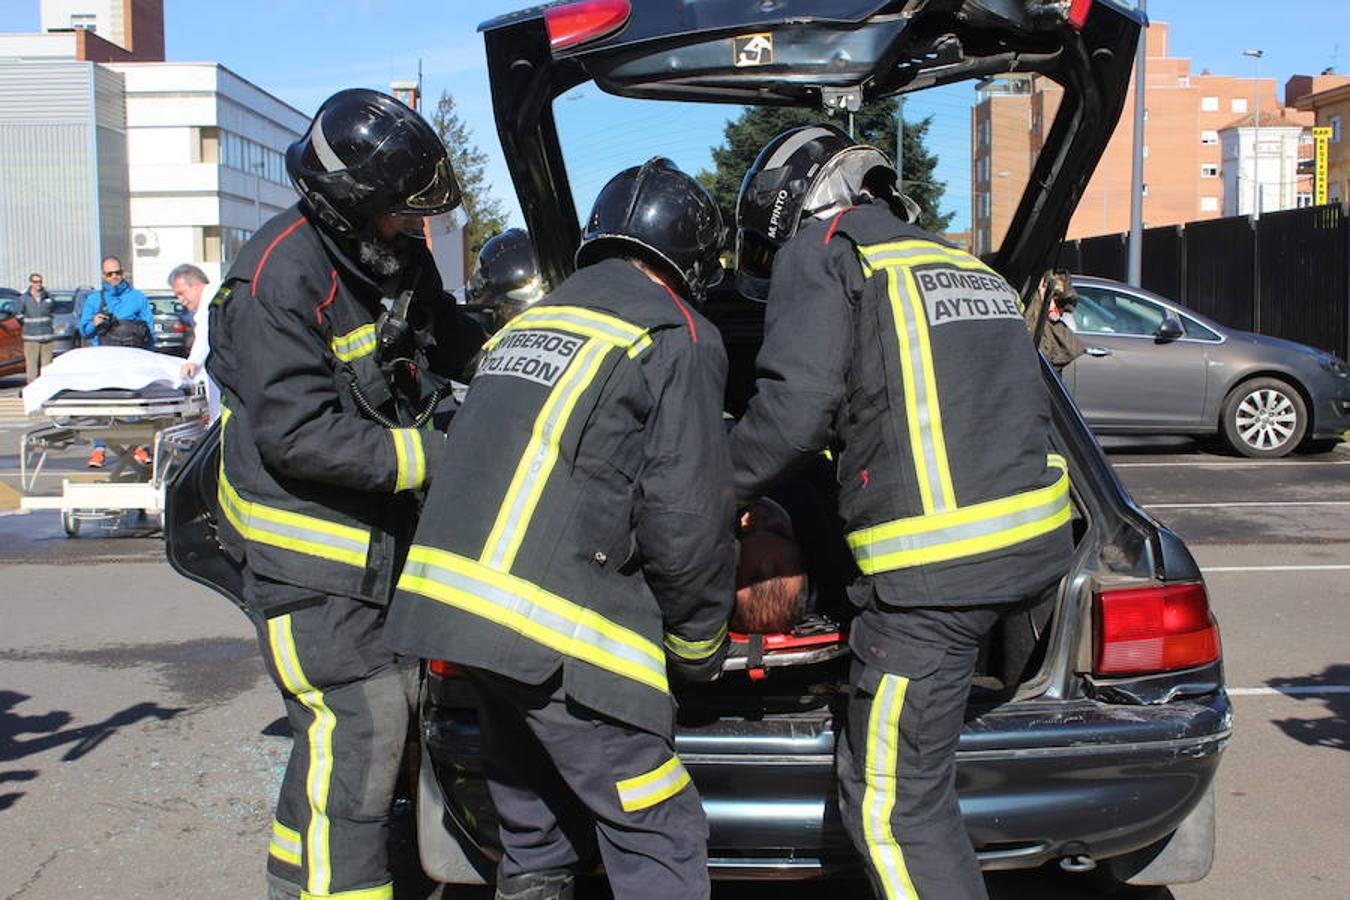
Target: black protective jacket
(909,360)
(314,491)
(587,525)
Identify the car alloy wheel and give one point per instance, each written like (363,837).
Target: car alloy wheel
(1264,418)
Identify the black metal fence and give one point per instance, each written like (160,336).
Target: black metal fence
(1286,274)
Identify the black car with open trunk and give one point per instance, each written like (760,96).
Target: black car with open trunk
(1098,716)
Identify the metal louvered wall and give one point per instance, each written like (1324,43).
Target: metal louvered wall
(63,169)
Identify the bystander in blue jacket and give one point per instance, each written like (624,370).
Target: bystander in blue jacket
(116,298)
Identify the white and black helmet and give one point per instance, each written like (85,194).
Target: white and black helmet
(812,171)
(366,154)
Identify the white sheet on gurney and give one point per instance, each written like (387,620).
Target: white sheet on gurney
(99,368)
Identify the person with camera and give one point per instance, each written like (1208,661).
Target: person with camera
(117,315)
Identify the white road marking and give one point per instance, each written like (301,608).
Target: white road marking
(1229,465)
(1246,503)
(1292,690)
(1328,567)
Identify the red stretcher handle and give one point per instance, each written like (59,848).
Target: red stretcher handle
(788,642)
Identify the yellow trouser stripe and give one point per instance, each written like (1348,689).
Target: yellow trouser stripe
(355,344)
(288,530)
(880,774)
(319,749)
(662,783)
(383,892)
(541,453)
(966,531)
(695,650)
(410,458)
(286,845)
(512,602)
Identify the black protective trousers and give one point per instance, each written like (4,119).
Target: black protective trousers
(567,781)
(348,699)
(896,757)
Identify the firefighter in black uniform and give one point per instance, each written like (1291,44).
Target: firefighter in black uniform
(328,388)
(591,550)
(507,280)
(909,360)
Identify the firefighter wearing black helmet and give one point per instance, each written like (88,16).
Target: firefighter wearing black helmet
(333,351)
(507,280)
(909,360)
(589,558)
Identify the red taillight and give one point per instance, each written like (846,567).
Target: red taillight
(1078,13)
(444,668)
(1154,629)
(180,328)
(576,23)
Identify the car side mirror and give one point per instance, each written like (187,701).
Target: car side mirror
(1169,330)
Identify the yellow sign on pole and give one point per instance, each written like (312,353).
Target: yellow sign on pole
(1321,138)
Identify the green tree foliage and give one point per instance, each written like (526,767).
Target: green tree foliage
(486,213)
(874,124)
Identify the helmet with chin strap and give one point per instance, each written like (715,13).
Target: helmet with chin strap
(813,171)
(366,154)
(508,279)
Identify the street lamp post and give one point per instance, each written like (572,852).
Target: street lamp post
(1256,55)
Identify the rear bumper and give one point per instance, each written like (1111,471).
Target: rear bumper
(1037,781)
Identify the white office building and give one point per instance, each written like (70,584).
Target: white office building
(1260,161)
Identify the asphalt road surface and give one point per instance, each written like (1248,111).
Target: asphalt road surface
(141,743)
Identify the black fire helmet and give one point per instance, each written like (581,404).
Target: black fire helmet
(805,172)
(366,154)
(656,211)
(508,277)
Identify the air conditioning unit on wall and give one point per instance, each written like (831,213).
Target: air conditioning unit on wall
(145,241)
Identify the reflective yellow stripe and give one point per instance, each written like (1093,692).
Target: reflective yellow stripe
(288,530)
(880,773)
(695,650)
(355,344)
(410,458)
(529,610)
(541,453)
(285,844)
(383,892)
(319,748)
(659,784)
(915,252)
(966,531)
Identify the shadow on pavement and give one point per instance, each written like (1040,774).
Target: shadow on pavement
(51,730)
(1331,731)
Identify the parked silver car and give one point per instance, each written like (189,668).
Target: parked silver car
(1155,367)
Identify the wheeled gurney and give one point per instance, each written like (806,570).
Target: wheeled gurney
(167,419)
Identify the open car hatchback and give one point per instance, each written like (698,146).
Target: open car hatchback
(1098,716)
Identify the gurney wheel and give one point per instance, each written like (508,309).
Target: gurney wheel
(70,524)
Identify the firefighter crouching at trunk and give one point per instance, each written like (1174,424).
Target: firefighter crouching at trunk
(590,550)
(910,361)
(324,397)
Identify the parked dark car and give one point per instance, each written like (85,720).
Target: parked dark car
(173,324)
(1099,715)
(11,333)
(66,319)
(1155,367)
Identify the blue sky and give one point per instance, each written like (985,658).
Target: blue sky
(302,51)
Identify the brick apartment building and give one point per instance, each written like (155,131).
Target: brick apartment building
(1327,98)
(1184,115)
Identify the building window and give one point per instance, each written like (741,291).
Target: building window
(984,133)
(1302,200)
(1209,137)
(1143,189)
(1145,149)
(231,240)
(208,249)
(207,149)
(982,170)
(1209,104)
(984,205)
(1239,104)
(1209,204)
(1209,170)
(1335,123)
(84,22)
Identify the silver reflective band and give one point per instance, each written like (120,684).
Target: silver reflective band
(925,540)
(331,161)
(564,628)
(647,790)
(695,650)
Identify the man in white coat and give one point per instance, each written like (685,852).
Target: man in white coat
(189,283)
